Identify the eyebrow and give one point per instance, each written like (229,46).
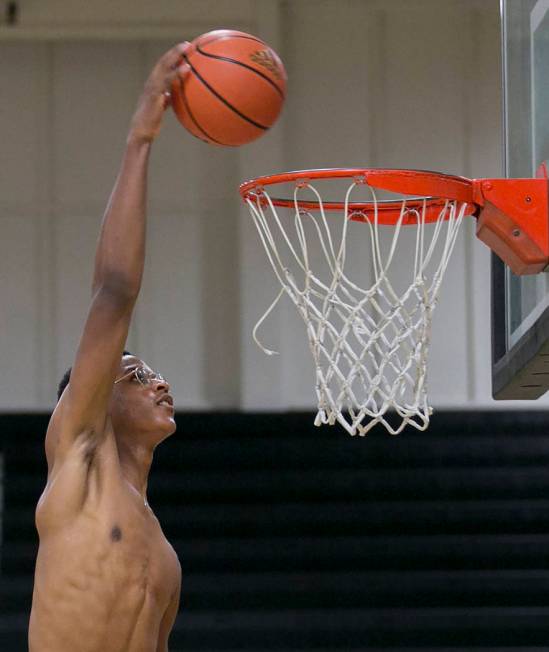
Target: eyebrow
(133,363)
(138,365)
(126,371)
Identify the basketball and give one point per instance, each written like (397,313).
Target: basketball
(234,90)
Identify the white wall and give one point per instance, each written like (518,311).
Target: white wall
(403,83)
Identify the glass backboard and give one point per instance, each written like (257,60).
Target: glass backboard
(520,304)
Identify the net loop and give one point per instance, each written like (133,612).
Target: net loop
(369,343)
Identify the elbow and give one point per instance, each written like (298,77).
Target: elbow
(117,289)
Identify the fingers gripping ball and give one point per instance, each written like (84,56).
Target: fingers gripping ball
(234,90)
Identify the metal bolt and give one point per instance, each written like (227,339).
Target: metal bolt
(516,233)
(528,199)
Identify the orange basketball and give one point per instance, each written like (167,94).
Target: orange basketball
(234,91)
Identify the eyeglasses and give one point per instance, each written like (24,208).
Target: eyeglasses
(143,376)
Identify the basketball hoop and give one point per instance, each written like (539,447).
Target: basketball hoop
(370,343)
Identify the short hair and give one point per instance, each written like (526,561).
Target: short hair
(67,376)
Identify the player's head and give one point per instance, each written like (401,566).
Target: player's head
(141,405)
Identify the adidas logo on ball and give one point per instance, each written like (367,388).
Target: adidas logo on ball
(266,59)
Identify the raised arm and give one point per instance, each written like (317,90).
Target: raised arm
(119,262)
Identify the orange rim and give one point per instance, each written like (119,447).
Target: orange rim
(428,191)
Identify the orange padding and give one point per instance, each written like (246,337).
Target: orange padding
(514,221)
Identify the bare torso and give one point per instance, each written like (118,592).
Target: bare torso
(105,573)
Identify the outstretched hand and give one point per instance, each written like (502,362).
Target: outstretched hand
(147,119)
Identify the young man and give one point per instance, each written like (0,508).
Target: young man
(106,578)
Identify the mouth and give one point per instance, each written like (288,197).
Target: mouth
(166,401)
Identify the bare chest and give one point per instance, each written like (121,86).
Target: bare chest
(131,551)
(105,572)
(114,545)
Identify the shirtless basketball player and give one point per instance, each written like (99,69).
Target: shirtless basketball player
(106,579)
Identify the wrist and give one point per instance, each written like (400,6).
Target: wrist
(137,139)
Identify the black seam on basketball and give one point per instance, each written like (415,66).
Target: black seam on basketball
(222,99)
(244,65)
(220,38)
(184,98)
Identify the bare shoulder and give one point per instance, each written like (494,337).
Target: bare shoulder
(169,550)
(63,443)
(59,446)
(176,563)
(78,469)
(168,558)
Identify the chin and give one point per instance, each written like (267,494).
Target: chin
(167,426)
(173,427)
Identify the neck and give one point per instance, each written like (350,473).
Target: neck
(135,461)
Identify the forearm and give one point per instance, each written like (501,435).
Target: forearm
(120,254)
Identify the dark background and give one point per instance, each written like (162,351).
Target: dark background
(296,538)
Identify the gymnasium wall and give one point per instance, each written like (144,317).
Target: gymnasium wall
(403,83)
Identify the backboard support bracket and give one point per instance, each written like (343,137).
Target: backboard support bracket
(513,220)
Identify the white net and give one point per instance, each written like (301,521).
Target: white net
(369,344)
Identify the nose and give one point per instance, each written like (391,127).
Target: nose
(161,385)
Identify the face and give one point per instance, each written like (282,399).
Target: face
(141,403)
